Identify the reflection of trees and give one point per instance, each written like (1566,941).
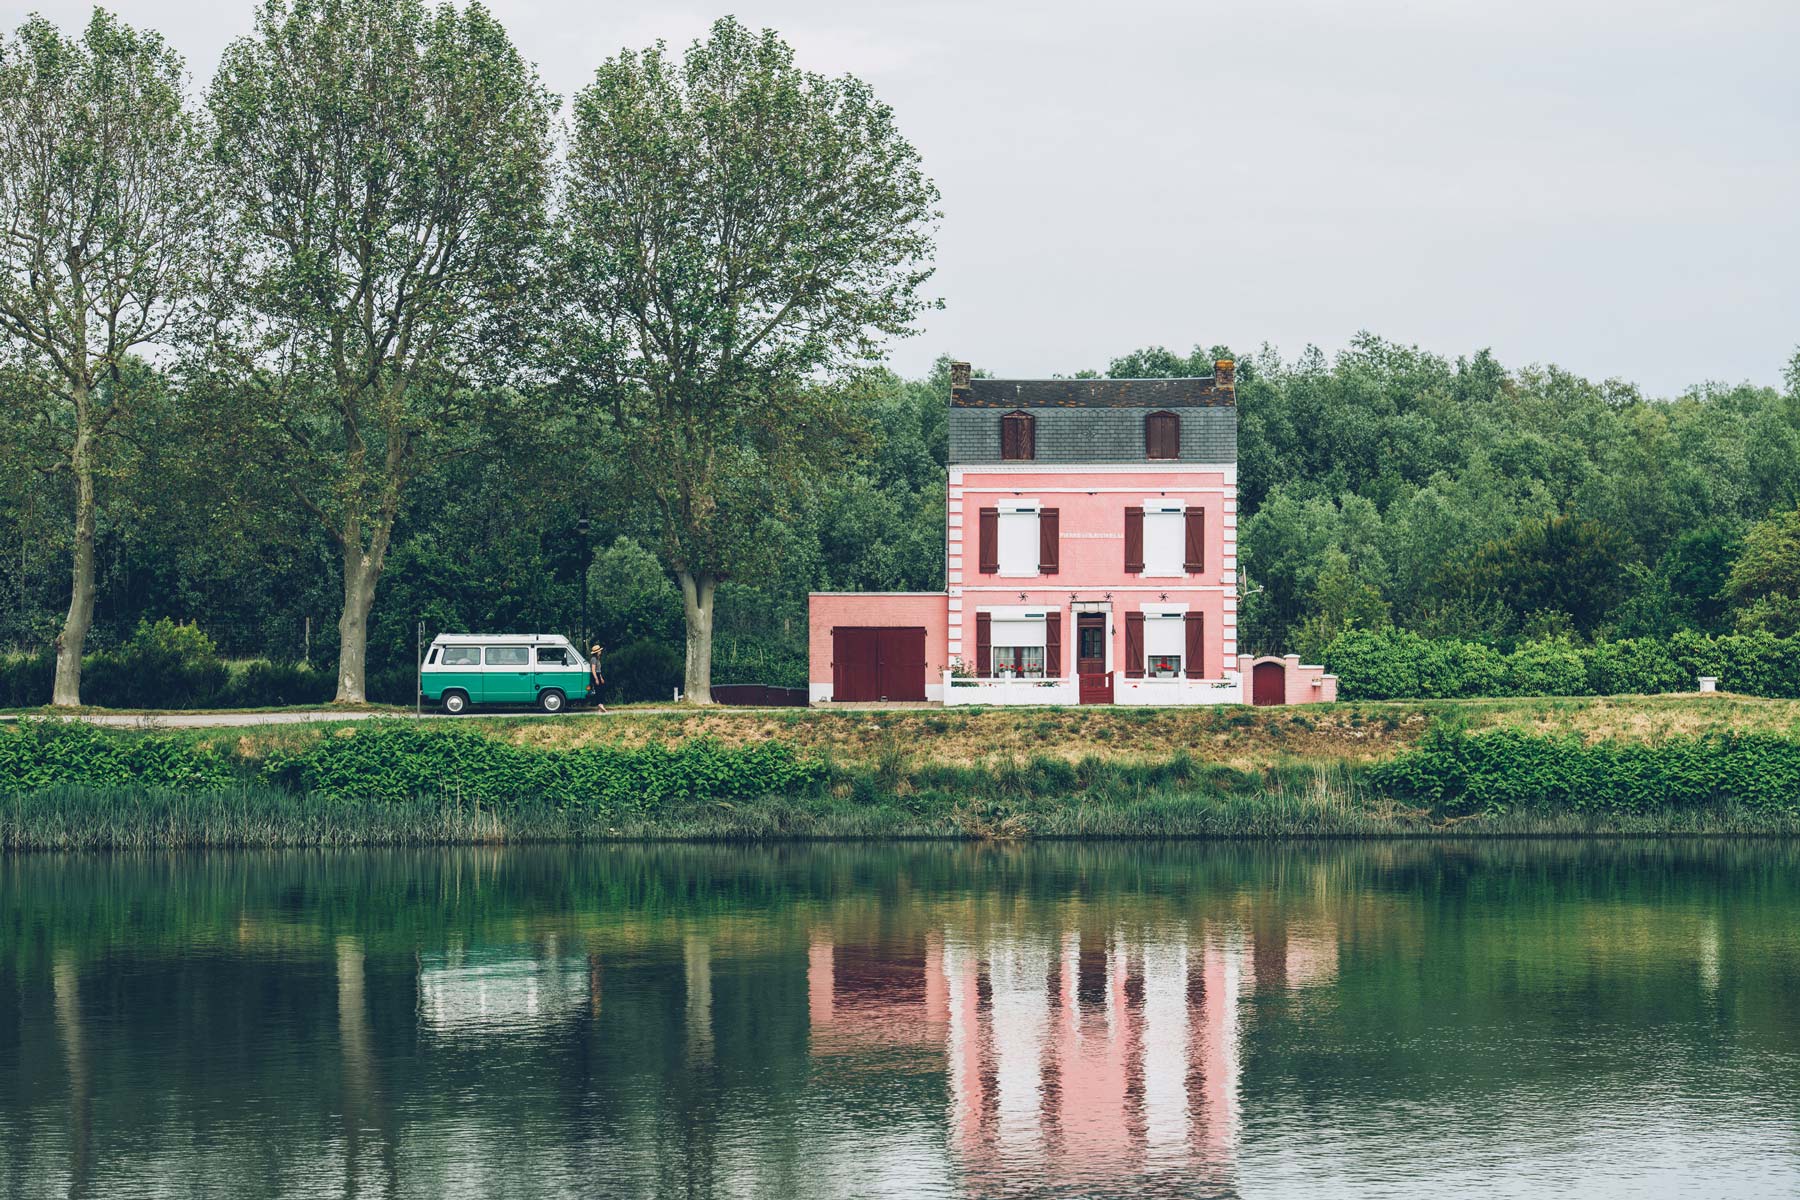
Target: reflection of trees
(689,1047)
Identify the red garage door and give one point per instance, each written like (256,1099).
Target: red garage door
(872,662)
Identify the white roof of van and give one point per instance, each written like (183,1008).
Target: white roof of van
(502,638)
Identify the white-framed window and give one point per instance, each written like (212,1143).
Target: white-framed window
(1165,641)
(1019,538)
(508,656)
(462,656)
(1165,531)
(1017,646)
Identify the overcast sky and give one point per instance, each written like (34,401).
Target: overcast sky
(1610,185)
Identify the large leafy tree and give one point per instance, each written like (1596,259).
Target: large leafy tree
(1764,583)
(387,175)
(738,231)
(103,204)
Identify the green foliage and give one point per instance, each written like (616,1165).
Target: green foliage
(41,754)
(1765,580)
(1398,664)
(1453,772)
(1559,565)
(369,302)
(392,763)
(641,671)
(793,226)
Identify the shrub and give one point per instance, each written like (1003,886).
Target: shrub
(1454,772)
(163,665)
(1552,668)
(274,685)
(393,762)
(25,680)
(45,753)
(1391,664)
(641,671)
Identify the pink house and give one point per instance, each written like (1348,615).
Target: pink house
(1091,558)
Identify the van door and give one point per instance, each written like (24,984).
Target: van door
(559,667)
(508,679)
(457,667)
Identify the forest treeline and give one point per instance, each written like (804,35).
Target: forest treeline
(304,373)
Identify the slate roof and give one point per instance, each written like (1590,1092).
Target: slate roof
(1095,393)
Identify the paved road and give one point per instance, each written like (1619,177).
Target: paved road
(230,720)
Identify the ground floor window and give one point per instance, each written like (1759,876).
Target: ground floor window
(1164,645)
(1019,662)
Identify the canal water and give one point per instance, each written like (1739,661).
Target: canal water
(1349,1019)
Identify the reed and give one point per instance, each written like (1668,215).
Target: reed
(1046,799)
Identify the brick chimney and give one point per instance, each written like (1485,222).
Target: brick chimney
(959,380)
(1225,374)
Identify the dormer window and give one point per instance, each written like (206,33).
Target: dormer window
(1018,437)
(1162,435)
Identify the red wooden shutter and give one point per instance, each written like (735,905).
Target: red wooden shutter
(1049,533)
(1018,436)
(984,643)
(1162,435)
(1195,628)
(1053,645)
(988,540)
(1134,645)
(1134,540)
(1196,539)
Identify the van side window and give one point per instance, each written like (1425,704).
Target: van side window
(462,656)
(435,651)
(553,655)
(508,656)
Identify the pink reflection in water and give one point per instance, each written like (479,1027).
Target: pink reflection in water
(1079,1057)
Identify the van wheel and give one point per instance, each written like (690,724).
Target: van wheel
(551,701)
(455,702)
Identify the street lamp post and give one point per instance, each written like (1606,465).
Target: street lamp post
(582,527)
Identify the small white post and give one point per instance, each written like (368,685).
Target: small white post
(1709,683)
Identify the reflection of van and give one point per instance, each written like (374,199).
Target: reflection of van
(503,668)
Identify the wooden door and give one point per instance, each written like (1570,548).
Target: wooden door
(873,662)
(1090,659)
(1268,683)
(900,664)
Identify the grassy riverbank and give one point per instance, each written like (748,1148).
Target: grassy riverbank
(1622,765)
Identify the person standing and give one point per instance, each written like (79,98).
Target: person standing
(594,673)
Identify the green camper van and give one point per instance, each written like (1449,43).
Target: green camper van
(544,669)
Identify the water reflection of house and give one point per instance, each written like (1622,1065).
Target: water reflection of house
(502,989)
(1084,1053)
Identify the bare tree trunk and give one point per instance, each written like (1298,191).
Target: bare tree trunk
(67,689)
(697,605)
(362,570)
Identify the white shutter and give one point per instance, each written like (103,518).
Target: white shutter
(1163,542)
(1017,632)
(1164,635)
(1019,542)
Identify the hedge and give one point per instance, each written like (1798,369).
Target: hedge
(384,763)
(1452,771)
(1393,664)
